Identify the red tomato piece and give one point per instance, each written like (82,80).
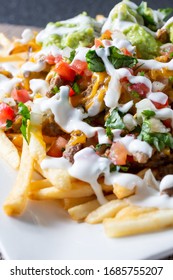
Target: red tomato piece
(118,153)
(167,123)
(71,92)
(6,113)
(50,59)
(65,71)
(126,52)
(20,95)
(98,43)
(159,105)
(140,88)
(79,66)
(57,147)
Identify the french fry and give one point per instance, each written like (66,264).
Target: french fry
(17,199)
(133,211)
(39,184)
(122,192)
(79,189)
(59,178)
(74,201)
(80,212)
(8,151)
(108,210)
(148,222)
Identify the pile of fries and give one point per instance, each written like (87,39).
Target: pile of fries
(119,217)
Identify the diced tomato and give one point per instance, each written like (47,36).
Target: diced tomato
(140,88)
(50,59)
(79,66)
(65,71)
(98,43)
(6,113)
(167,123)
(20,95)
(57,147)
(118,153)
(159,105)
(126,52)
(71,92)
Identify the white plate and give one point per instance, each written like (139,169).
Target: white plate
(46,232)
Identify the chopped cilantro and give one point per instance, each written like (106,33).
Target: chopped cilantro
(157,139)
(72,55)
(135,94)
(118,168)
(24,112)
(76,87)
(148,113)
(95,63)
(142,73)
(114,121)
(9,123)
(118,60)
(171,79)
(55,89)
(171,55)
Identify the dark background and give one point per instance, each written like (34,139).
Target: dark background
(40,12)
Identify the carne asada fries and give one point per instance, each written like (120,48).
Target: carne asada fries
(88,104)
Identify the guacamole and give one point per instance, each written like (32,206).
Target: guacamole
(78,31)
(139,24)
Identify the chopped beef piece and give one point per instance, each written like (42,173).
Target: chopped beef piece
(17,124)
(162,35)
(56,81)
(50,127)
(70,151)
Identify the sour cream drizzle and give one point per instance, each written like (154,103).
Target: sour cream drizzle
(88,166)
(6,85)
(68,117)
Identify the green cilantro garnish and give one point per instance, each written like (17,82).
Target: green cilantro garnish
(9,123)
(118,60)
(55,89)
(142,73)
(72,55)
(114,121)
(118,168)
(76,87)
(24,112)
(157,139)
(95,63)
(148,113)
(135,94)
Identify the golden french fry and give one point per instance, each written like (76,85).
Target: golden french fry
(8,151)
(80,212)
(78,189)
(59,178)
(148,222)
(74,201)
(37,146)
(122,192)
(108,210)
(133,211)
(16,200)
(39,184)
